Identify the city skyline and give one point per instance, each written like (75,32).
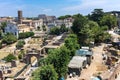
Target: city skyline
(32,8)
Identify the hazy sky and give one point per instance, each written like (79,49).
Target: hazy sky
(55,7)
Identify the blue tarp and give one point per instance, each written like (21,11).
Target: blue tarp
(83,52)
(62,78)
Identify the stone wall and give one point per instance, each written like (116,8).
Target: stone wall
(115,72)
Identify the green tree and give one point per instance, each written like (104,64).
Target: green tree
(63,28)
(71,42)
(21,54)
(109,20)
(9,38)
(79,29)
(64,17)
(58,31)
(10,57)
(99,35)
(96,15)
(46,72)
(42,62)
(2,26)
(89,31)
(59,62)
(62,62)
(25,35)
(79,23)
(20,44)
(55,31)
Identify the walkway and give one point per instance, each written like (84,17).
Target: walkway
(96,63)
(95,66)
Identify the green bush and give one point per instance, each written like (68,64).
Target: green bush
(20,44)
(21,54)
(25,35)
(9,58)
(9,38)
(58,31)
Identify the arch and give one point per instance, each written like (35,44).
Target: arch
(29,56)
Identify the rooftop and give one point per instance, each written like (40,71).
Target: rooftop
(77,62)
(83,52)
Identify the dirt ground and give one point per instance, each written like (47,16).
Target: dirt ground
(7,50)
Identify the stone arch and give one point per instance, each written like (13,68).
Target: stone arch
(29,56)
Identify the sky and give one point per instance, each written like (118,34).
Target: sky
(32,8)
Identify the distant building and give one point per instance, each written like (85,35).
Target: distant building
(117,14)
(50,18)
(68,22)
(42,16)
(27,22)
(6,19)
(59,22)
(24,28)
(47,19)
(20,17)
(12,28)
(37,24)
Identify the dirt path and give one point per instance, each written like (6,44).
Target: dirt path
(96,62)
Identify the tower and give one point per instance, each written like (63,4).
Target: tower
(20,17)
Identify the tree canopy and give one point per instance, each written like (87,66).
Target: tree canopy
(96,15)
(20,44)
(25,35)
(59,62)
(109,20)
(71,42)
(9,38)
(79,23)
(90,31)
(9,58)
(3,25)
(64,17)
(46,72)
(58,30)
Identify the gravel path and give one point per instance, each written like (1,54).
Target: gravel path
(97,61)
(88,73)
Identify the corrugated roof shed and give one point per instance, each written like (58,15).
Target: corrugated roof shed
(77,62)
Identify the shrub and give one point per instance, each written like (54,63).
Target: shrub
(10,57)
(25,35)
(9,38)
(20,44)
